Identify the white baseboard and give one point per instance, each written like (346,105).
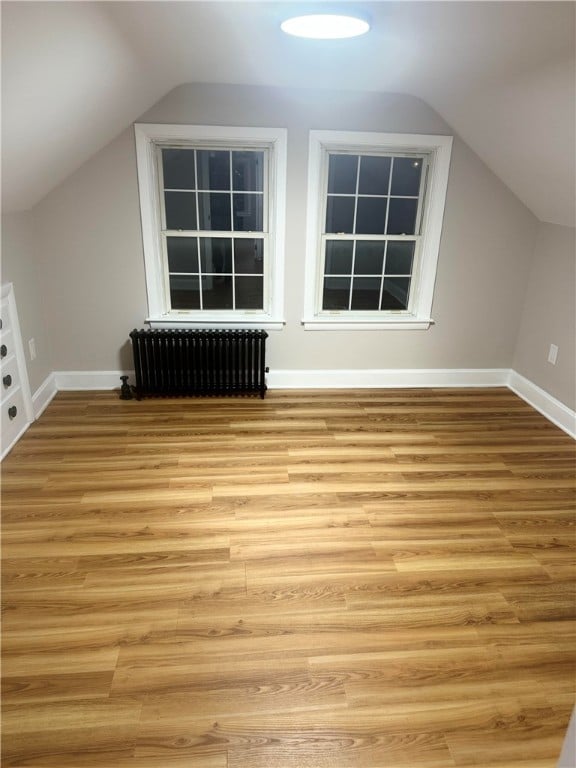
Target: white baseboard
(43,395)
(377,379)
(548,406)
(320,379)
(89,380)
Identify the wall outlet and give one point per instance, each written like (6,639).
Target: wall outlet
(553,354)
(32,349)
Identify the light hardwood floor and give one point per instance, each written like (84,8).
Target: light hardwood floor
(366,579)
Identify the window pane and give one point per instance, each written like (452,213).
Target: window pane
(182,254)
(369,258)
(395,293)
(217,291)
(338,257)
(179,168)
(180,210)
(248,213)
(248,256)
(342,171)
(371,216)
(399,257)
(374,175)
(214,211)
(366,293)
(216,255)
(402,216)
(249,293)
(213,169)
(406,175)
(184,292)
(340,214)
(248,171)
(336,293)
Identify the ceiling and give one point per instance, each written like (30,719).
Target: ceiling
(502,74)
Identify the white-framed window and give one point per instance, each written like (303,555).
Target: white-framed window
(212,202)
(375,209)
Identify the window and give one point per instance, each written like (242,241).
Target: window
(212,206)
(374,222)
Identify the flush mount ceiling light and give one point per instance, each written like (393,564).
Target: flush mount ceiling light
(325,26)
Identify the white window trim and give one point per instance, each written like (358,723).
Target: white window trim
(439,150)
(148,136)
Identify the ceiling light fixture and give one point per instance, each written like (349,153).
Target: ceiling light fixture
(325,26)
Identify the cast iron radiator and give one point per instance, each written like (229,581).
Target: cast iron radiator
(208,362)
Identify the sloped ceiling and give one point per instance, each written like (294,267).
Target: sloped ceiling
(74,74)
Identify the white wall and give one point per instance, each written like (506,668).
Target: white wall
(21,260)
(549,315)
(92,267)
(92,270)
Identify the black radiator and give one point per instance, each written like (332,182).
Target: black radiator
(179,363)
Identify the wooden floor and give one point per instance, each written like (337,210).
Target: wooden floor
(367,579)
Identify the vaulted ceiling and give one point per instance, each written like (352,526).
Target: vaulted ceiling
(502,74)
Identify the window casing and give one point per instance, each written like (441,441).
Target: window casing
(375,211)
(212,205)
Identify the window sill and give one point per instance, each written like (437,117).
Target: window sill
(266,324)
(335,324)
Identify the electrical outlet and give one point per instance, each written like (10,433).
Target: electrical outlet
(553,354)
(32,349)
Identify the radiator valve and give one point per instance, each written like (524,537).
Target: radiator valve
(125,389)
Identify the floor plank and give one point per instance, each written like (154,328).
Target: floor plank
(329,579)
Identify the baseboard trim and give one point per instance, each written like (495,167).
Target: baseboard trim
(43,395)
(385,379)
(67,381)
(555,411)
(320,379)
